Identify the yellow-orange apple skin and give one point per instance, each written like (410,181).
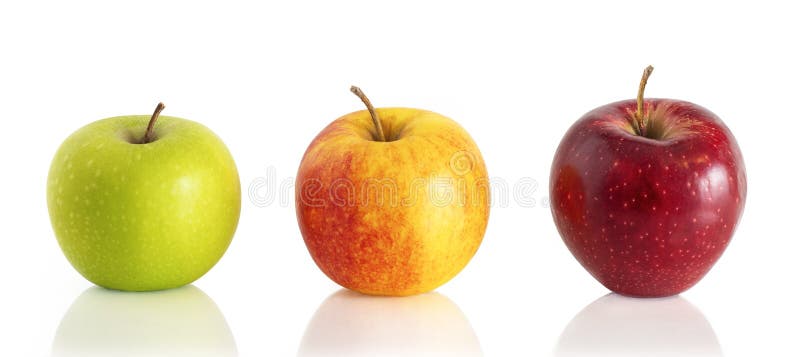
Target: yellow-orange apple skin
(397,218)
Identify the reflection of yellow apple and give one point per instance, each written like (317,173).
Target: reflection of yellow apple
(350,324)
(615,325)
(176,322)
(392,201)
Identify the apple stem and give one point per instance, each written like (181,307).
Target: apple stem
(148,135)
(375,120)
(639,116)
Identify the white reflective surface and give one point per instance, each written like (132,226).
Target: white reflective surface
(351,324)
(177,322)
(615,325)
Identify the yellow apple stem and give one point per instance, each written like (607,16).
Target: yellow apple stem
(375,120)
(639,116)
(148,135)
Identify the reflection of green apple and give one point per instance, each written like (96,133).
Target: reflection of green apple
(176,322)
(138,206)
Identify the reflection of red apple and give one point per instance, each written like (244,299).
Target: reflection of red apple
(647,193)
(615,325)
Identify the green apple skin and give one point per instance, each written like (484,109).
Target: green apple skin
(141,217)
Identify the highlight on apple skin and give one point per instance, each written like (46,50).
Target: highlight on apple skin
(647,193)
(392,201)
(143,205)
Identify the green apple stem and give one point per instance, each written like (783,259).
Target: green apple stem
(639,116)
(148,135)
(375,120)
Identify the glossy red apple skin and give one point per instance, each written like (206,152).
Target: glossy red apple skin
(648,217)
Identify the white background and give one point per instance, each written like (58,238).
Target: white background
(267,77)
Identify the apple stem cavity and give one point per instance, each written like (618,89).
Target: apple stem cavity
(641,122)
(148,135)
(375,120)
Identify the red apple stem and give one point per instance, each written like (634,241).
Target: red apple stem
(375,120)
(148,135)
(639,116)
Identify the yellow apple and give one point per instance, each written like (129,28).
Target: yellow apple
(392,201)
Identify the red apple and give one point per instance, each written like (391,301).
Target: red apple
(647,193)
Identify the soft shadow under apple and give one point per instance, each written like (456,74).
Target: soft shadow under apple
(176,322)
(351,324)
(615,325)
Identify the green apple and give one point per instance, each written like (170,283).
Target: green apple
(138,205)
